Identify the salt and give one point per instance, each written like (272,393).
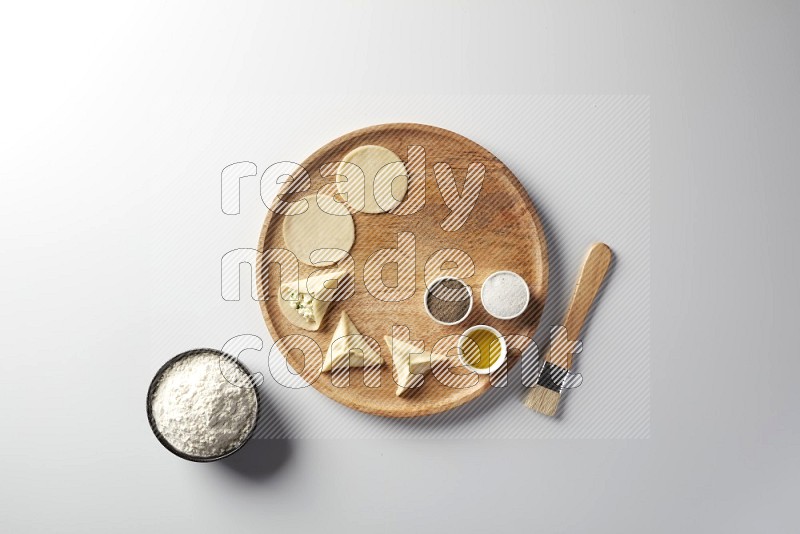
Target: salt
(204,405)
(505,295)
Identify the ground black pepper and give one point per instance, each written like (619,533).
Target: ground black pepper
(448,300)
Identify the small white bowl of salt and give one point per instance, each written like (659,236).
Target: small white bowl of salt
(505,295)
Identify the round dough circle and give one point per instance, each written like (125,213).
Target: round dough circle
(315,229)
(383,185)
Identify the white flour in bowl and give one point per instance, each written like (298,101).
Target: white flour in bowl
(201,411)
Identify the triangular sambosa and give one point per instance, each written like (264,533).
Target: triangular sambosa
(410,363)
(306,309)
(349,348)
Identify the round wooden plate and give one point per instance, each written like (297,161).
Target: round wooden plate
(502,232)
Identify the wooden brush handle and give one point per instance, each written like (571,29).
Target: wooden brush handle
(594,270)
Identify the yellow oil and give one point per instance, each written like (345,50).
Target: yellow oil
(483,351)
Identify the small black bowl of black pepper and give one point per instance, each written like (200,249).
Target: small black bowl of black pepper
(448,300)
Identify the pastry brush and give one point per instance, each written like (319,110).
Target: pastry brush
(546,393)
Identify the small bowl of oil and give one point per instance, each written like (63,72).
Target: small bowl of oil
(482,349)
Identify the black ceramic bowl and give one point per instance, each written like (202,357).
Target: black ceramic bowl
(151,391)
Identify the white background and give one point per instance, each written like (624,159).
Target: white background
(107,111)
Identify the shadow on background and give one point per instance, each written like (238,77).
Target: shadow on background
(267,452)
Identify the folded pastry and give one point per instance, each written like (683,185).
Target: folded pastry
(410,364)
(349,348)
(306,308)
